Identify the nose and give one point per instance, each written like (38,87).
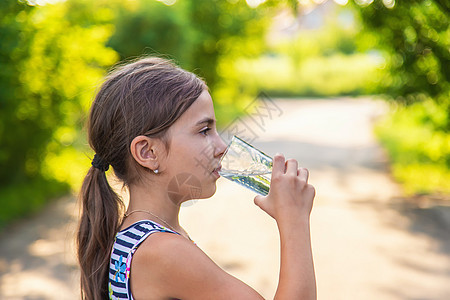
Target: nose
(220,147)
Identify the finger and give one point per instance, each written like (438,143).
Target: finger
(278,164)
(291,166)
(303,173)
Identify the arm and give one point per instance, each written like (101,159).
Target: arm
(297,279)
(289,202)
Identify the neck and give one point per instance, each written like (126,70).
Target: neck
(156,201)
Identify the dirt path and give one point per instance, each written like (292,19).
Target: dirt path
(367,242)
(37,258)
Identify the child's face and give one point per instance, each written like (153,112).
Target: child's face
(195,150)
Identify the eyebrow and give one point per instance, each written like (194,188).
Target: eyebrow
(206,120)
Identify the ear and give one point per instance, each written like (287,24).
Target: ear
(144,151)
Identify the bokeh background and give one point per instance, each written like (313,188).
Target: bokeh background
(53,55)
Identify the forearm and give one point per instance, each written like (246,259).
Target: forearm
(297,278)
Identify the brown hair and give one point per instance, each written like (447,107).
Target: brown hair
(144,97)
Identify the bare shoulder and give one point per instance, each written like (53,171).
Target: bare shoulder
(167,265)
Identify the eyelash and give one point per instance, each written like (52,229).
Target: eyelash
(205,131)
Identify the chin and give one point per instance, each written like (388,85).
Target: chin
(208,191)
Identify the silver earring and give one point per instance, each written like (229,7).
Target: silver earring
(156,171)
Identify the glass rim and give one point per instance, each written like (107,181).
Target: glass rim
(234,138)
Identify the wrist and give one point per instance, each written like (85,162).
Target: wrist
(293,221)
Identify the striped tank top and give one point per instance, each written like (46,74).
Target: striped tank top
(125,244)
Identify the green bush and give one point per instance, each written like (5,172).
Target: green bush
(419,153)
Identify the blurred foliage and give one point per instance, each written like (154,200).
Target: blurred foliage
(317,76)
(51,57)
(156,29)
(415,39)
(202,36)
(422,164)
(316,62)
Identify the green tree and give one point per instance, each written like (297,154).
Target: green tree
(14,47)
(205,37)
(415,39)
(51,58)
(226,30)
(151,27)
(415,36)
(197,34)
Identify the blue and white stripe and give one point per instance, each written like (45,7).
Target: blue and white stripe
(125,244)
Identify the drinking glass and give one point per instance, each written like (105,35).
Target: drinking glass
(246,165)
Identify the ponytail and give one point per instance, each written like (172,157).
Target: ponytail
(99,222)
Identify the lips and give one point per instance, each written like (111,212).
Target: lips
(217,170)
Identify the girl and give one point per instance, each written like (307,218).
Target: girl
(151,122)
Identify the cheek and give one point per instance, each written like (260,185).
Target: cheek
(179,153)
(196,159)
(204,160)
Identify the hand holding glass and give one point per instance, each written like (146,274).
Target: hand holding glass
(246,165)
